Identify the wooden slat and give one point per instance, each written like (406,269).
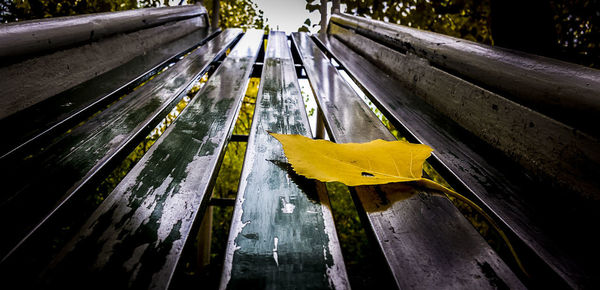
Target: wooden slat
(37,78)
(137,234)
(68,164)
(472,167)
(282,235)
(66,109)
(43,35)
(427,243)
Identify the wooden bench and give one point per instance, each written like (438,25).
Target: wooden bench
(283,234)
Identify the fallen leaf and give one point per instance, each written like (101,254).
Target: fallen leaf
(372,163)
(375,162)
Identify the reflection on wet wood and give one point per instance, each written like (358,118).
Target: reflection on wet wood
(76,158)
(381,197)
(137,234)
(67,108)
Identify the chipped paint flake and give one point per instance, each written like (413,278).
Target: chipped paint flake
(287,207)
(275,257)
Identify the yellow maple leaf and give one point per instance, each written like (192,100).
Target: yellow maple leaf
(375,162)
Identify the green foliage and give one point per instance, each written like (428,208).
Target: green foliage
(578,30)
(233,13)
(306,26)
(459,18)
(576,22)
(34,9)
(238,13)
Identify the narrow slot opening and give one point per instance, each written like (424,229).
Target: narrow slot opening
(113,179)
(310,104)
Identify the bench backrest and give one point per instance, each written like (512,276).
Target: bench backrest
(511,131)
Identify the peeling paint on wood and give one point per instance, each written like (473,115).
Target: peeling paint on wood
(282,234)
(146,220)
(75,158)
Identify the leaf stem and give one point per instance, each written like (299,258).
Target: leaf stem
(449,192)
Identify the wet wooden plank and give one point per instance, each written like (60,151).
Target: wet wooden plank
(282,234)
(481,173)
(552,151)
(427,243)
(137,234)
(562,90)
(44,35)
(73,160)
(66,109)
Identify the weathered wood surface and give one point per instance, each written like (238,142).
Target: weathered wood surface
(282,234)
(137,234)
(62,168)
(564,91)
(427,243)
(553,151)
(68,108)
(476,170)
(44,35)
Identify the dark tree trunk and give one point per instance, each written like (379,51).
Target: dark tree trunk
(216,9)
(323,11)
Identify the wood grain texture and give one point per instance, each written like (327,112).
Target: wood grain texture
(74,159)
(427,243)
(282,235)
(137,234)
(553,151)
(564,91)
